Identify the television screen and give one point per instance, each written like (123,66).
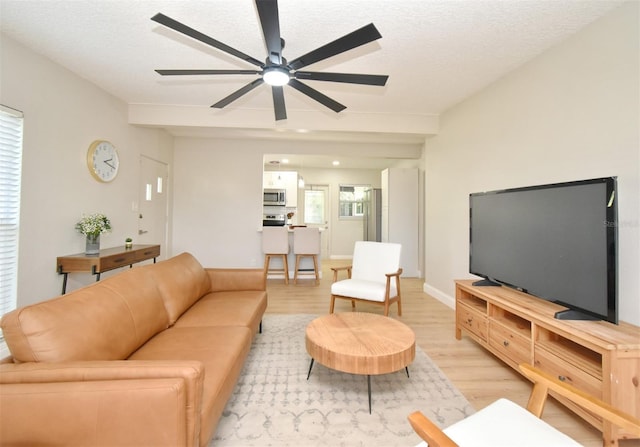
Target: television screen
(557,242)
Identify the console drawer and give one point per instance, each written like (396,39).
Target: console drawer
(153,251)
(472,321)
(510,343)
(567,372)
(117,260)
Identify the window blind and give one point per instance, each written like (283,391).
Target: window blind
(11,130)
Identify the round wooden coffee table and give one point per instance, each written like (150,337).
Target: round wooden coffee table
(360,343)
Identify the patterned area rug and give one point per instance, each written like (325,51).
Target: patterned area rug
(274,405)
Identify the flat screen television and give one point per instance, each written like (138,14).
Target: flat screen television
(558,242)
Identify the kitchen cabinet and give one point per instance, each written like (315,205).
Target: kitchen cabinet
(400,221)
(287,180)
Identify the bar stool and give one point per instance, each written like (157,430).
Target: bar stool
(306,243)
(275,243)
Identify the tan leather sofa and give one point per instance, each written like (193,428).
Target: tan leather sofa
(148,357)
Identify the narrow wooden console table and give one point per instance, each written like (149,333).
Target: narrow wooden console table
(108,259)
(598,357)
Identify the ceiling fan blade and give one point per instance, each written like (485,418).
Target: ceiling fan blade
(205,72)
(187,31)
(343,77)
(315,94)
(278,103)
(268,12)
(237,94)
(352,40)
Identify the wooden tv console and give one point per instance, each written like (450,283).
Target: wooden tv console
(600,358)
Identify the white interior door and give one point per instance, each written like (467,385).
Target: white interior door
(316,214)
(153,203)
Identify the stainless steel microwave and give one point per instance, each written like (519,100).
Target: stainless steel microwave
(274,197)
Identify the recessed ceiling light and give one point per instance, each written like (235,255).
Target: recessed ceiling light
(336,162)
(285,160)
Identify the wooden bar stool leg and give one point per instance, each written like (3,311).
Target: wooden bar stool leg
(295,273)
(315,268)
(285,266)
(285,263)
(267,259)
(275,243)
(316,271)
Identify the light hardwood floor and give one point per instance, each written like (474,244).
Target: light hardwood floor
(480,376)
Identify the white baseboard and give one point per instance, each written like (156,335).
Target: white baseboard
(341,257)
(439,295)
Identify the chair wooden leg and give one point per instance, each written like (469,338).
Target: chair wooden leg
(399,296)
(333,302)
(386,308)
(353,305)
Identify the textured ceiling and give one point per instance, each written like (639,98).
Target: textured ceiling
(437,53)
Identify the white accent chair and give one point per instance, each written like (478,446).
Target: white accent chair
(275,243)
(506,424)
(373,276)
(306,243)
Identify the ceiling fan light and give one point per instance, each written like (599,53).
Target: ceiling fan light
(275,76)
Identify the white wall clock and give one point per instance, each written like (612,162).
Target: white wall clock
(103,161)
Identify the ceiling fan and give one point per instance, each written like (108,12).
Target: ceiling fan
(276,71)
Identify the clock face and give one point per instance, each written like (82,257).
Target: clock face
(102,160)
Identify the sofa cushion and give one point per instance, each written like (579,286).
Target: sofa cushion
(107,320)
(222,351)
(182,281)
(225,280)
(237,308)
(358,288)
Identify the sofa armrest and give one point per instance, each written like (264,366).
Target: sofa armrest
(223,280)
(102,402)
(116,412)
